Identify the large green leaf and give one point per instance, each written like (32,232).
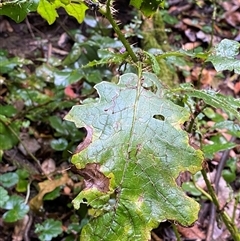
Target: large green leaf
(132,154)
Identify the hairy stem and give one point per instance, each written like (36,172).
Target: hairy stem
(107,13)
(226,219)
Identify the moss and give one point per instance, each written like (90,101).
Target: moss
(154,36)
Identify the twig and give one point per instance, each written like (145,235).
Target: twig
(213,21)
(28,192)
(221,166)
(212,216)
(24,146)
(30,218)
(155,237)
(28,226)
(30,28)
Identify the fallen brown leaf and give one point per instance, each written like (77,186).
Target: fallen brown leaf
(44,188)
(191,232)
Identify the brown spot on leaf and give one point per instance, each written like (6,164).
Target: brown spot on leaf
(87,141)
(93,178)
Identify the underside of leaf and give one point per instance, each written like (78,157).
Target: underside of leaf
(137,149)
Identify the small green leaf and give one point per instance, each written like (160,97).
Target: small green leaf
(190,188)
(48,229)
(74,228)
(7,110)
(227,48)
(56,123)
(212,114)
(59,77)
(52,195)
(223,56)
(73,56)
(22,185)
(65,128)
(9,179)
(228,175)
(3,196)
(210,150)
(77,10)
(22,173)
(94,76)
(230,170)
(17,209)
(18,10)
(59,144)
(47,10)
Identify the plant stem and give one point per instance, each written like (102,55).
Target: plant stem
(24,146)
(202,191)
(107,13)
(226,219)
(176,232)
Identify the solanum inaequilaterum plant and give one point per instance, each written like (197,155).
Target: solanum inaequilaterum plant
(134,150)
(135,146)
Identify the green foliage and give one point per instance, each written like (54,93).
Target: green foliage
(232,127)
(147,7)
(9,179)
(229,173)
(47,9)
(8,132)
(59,144)
(4,196)
(223,56)
(190,188)
(18,9)
(23,181)
(16,207)
(137,149)
(48,230)
(229,104)
(218,143)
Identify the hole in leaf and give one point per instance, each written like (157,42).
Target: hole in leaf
(159,117)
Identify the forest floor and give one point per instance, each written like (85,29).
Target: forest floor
(189,25)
